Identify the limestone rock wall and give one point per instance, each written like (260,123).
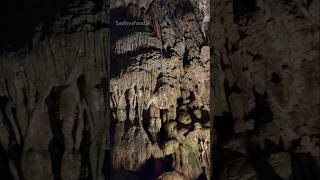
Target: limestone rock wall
(61,115)
(53,103)
(266,86)
(160,98)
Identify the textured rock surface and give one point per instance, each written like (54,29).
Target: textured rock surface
(54,86)
(53,112)
(160,98)
(171,176)
(267,98)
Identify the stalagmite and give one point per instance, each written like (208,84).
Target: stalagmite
(185,118)
(197,113)
(132,103)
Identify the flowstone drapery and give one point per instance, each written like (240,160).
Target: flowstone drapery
(160,83)
(53,103)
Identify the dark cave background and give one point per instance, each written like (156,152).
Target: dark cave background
(19,19)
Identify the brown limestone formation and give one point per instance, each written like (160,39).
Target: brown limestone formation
(266,103)
(53,103)
(160,87)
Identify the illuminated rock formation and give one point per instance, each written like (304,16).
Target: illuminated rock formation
(160,87)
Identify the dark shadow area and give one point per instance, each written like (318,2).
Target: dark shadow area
(4,165)
(243,8)
(304,167)
(258,157)
(224,131)
(56,145)
(107,166)
(86,171)
(202,177)
(19,18)
(262,113)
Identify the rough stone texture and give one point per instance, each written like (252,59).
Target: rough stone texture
(160,99)
(266,86)
(265,83)
(53,104)
(171,176)
(134,149)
